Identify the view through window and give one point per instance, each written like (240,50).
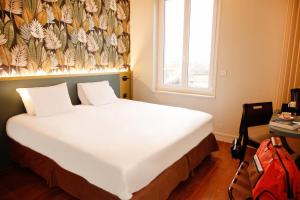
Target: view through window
(187,37)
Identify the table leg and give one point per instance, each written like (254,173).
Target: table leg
(297,161)
(286,145)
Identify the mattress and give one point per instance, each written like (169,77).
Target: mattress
(119,147)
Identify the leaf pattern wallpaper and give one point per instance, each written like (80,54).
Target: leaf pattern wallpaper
(63,35)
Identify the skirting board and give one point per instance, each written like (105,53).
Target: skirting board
(224,137)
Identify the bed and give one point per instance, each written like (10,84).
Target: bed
(123,150)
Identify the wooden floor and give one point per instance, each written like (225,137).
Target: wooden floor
(209,182)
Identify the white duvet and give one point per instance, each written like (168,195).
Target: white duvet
(119,147)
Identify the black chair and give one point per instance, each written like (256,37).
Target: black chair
(254,114)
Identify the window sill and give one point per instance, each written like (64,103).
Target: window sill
(179,93)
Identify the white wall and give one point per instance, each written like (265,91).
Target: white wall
(250,46)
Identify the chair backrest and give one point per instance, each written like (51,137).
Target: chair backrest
(256,114)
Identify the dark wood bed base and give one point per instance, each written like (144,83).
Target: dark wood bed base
(160,188)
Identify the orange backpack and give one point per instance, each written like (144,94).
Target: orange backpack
(279,177)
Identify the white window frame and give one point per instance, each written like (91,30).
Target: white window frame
(159,86)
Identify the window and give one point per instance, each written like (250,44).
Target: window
(187,34)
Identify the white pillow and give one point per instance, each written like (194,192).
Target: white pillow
(46,101)
(81,94)
(23,92)
(96,93)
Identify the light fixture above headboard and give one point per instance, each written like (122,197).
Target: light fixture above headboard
(55,37)
(62,72)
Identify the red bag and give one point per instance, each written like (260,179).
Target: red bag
(280,178)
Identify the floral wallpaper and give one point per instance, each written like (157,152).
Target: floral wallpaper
(63,35)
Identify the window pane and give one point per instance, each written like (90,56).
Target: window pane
(201,21)
(173,38)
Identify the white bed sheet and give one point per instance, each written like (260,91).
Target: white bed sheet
(119,147)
